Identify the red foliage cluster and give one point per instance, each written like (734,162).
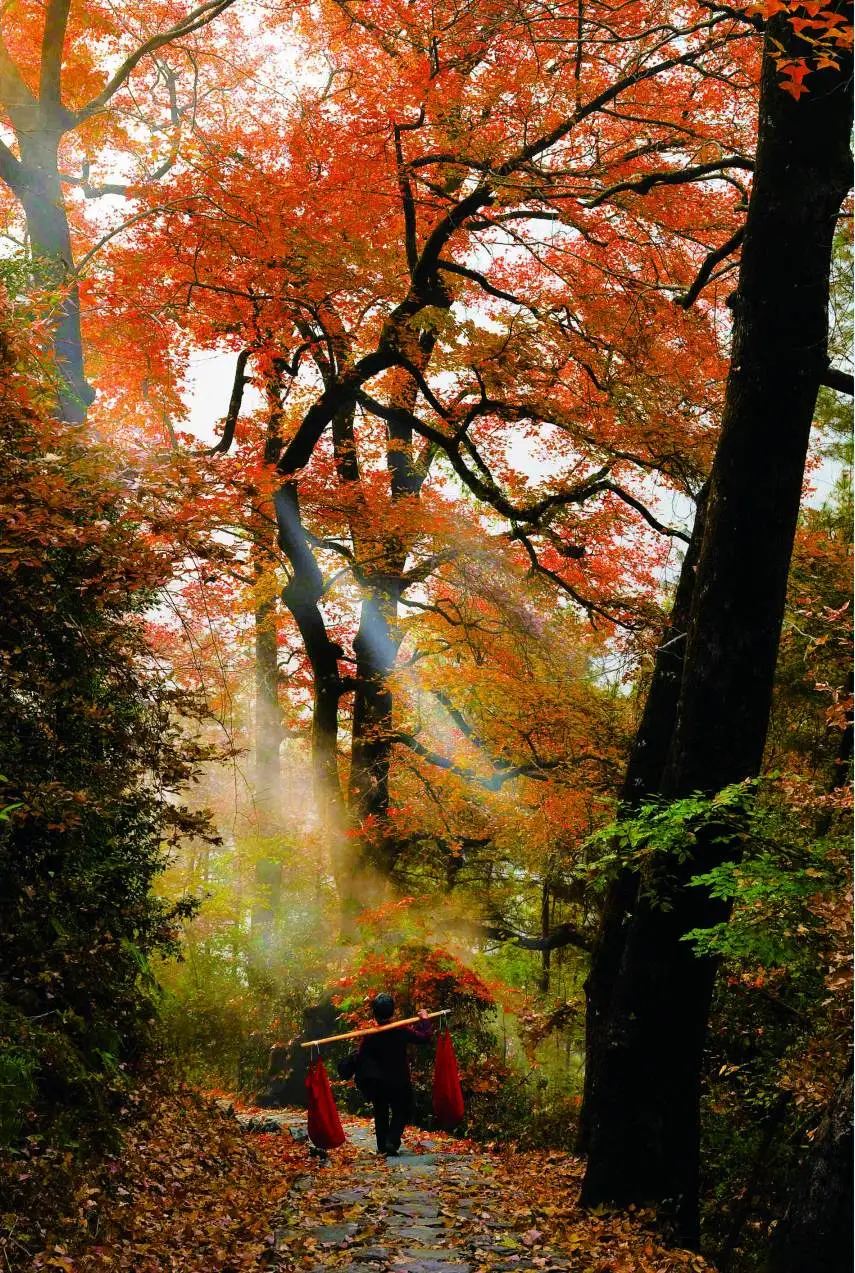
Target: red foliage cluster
(418,976)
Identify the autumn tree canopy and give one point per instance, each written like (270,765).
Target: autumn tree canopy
(405,311)
(508,292)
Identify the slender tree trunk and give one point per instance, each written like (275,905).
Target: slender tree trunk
(302,595)
(268,774)
(268,717)
(644,1129)
(759,1168)
(843,759)
(376,647)
(545,926)
(40,191)
(268,733)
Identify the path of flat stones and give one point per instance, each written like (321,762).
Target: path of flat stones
(423,1212)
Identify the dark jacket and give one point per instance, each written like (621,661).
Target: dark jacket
(382,1058)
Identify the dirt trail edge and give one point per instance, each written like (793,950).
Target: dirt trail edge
(447,1206)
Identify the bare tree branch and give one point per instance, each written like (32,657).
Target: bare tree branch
(561,935)
(704,273)
(676,177)
(842,381)
(483,486)
(494,783)
(645,512)
(610,94)
(10,167)
(127,225)
(199,17)
(483,283)
(235,403)
(590,607)
(425,568)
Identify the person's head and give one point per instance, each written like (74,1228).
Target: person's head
(383,1007)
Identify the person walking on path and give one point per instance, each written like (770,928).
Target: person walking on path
(383,1073)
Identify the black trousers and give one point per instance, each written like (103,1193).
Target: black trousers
(393,1108)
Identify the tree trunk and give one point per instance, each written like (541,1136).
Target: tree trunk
(377,643)
(302,595)
(643,775)
(268,719)
(376,649)
(268,775)
(268,732)
(644,1131)
(815,1235)
(39,189)
(741,1210)
(545,925)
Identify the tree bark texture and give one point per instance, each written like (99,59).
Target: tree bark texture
(646,763)
(377,643)
(644,1132)
(37,185)
(268,775)
(815,1234)
(376,649)
(268,717)
(268,732)
(302,595)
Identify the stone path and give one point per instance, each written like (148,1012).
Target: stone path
(434,1209)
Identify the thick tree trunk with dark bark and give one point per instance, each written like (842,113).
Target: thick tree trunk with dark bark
(643,775)
(644,1109)
(815,1235)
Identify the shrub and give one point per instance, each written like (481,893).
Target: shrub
(92,763)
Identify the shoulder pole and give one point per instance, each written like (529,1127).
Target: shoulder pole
(378,1029)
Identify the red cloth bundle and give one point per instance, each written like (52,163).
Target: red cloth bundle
(325,1129)
(447,1094)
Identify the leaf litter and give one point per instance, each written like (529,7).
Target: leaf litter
(194,1191)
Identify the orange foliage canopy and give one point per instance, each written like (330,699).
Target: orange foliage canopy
(473,257)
